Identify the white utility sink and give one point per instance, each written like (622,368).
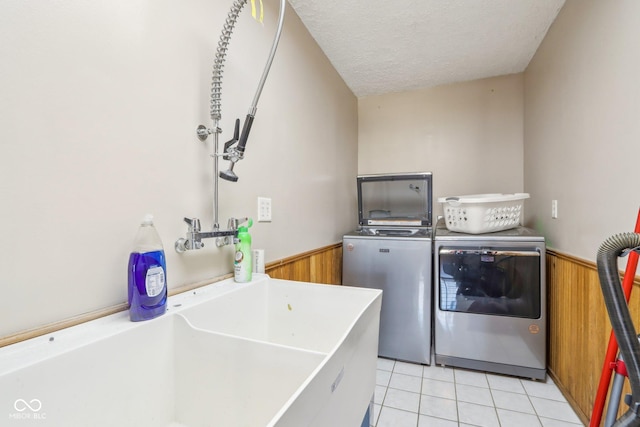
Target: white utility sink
(301,315)
(267,353)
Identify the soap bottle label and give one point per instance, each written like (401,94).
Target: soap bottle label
(242,270)
(154,281)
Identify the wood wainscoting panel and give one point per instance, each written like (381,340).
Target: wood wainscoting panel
(579,328)
(323,265)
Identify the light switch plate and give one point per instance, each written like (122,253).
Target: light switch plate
(264,209)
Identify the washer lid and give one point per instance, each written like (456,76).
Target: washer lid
(395,200)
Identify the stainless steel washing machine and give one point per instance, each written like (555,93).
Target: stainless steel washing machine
(399,265)
(490,301)
(392,251)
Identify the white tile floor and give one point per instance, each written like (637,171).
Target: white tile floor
(411,395)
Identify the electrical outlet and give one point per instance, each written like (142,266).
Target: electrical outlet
(554,209)
(264,209)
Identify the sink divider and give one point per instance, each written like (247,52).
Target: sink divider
(230,379)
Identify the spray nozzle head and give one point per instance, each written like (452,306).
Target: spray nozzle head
(236,153)
(230,143)
(229,175)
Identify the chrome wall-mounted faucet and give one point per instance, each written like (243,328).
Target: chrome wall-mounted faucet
(195,235)
(234,148)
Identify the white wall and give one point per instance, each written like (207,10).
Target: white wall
(468,134)
(582,125)
(99,106)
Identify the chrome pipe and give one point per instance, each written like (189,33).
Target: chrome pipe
(267,67)
(216,223)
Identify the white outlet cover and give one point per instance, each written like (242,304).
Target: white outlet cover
(264,209)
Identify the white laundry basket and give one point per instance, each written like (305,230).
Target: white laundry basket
(483,213)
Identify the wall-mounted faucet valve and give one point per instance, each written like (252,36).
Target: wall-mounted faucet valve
(194,236)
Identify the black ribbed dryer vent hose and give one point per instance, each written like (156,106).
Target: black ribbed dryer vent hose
(618,310)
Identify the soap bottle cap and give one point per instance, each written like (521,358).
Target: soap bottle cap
(147,220)
(245,228)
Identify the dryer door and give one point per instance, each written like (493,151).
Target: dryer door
(490,281)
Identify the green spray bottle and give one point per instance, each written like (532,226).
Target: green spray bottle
(242,261)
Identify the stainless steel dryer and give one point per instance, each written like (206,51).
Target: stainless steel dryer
(490,301)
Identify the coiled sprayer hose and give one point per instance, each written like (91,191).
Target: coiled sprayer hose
(621,322)
(221,54)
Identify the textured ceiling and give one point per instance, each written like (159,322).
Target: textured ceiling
(383,46)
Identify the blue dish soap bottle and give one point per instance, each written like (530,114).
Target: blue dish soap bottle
(242,265)
(147,274)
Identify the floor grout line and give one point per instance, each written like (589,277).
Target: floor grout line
(455,381)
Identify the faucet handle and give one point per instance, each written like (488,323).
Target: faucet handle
(194,224)
(235,222)
(232,224)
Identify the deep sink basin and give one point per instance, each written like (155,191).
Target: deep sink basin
(301,315)
(229,381)
(267,353)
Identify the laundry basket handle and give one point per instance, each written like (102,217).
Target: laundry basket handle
(455,201)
